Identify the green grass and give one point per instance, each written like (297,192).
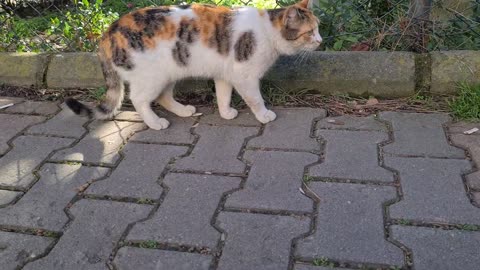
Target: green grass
(149,244)
(323,262)
(466,106)
(97,94)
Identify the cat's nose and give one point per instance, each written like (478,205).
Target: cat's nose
(318,39)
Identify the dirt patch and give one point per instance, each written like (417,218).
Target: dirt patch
(335,105)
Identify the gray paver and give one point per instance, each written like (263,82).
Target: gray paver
(11,125)
(185,214)
(352,155)
(16,249)
(440,249)
(177,132)
(433,191)
(476,198)
(102,143)
(89,240)
(34,107)
(43,205)
(7,196)
(460,127)
(472,144)
(419,135)
(291,130)
(351,123)
(129,258)
(244,118)
(256,241)
(16,167)
(132,116)
(217,150)
(137,175)
(65,123)
(274,187)
(350,218)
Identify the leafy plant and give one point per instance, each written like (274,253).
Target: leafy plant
(467,104)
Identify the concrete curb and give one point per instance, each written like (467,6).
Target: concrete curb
(381,74)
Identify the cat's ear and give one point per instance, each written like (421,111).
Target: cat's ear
(307,4)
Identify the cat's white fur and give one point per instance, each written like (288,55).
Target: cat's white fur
(156,71)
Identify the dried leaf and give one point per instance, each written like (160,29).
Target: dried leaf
(372,102)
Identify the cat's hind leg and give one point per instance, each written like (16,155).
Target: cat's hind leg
(142,95)
(224,91)
(249,90)
(167,101)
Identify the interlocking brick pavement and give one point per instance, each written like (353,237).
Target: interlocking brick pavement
(304,192)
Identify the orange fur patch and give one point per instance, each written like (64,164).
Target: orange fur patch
(209,17)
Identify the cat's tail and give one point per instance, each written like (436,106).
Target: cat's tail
(113,99)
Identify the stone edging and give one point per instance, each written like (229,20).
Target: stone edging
(382,74)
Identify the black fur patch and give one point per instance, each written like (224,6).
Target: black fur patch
(222,36)
(135,39)
(187,32)
(78,107)
(181,54)
(275,13)
(184,6)
(245,46)
(121,59)
(152,20)
(114,27)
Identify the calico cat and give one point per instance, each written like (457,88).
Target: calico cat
(152,48)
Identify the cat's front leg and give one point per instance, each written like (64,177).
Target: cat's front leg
(224,91)
(250,92)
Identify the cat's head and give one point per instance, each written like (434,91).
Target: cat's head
(298,27)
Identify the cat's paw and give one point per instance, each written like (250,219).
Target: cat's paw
(229,114)
(266,117)
(158,124)
(187,111)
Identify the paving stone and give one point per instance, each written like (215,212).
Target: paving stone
(65,123)
(291,130)
(17,166)
(102,143)
(433,191)
(348,122)
(472,144)
(43,205)
(135,258)
(34,107)
(274,187)
(217,150)
(350,218)
(16,249)
(7,100)
(90,238)
(418,134)
(244,118)
(128,116)
(137,175)
(11,125)
(476,197)
(460,127)
(7,196)
(184,216)
(440,249)
(177,132)
(352,155)
(256,241)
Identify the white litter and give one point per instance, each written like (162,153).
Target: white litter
(6,106)
(331,121)
(471,131)
(301,191)
(197,114)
